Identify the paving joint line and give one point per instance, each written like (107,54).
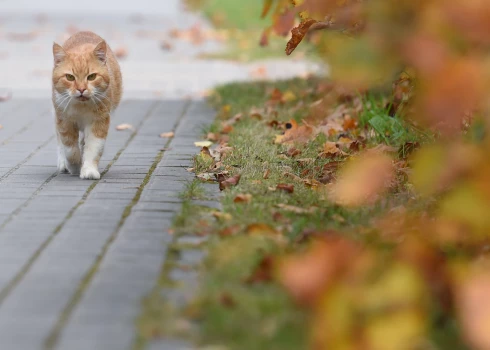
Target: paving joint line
(25,160)
(4,293)
(26,203)
(53,338)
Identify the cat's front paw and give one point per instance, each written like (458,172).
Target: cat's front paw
(89,173)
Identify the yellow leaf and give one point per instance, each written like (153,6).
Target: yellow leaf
(203,143)
(261,229)
(288,96)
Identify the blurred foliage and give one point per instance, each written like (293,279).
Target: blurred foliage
(435,272)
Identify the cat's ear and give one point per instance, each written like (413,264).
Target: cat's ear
(100,51)
(59,54)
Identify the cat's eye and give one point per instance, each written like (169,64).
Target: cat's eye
(70,77)
(91,76)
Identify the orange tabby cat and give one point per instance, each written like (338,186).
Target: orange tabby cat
(87,87)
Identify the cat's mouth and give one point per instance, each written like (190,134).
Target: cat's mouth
(82,98)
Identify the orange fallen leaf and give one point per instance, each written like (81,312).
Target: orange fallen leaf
(261,229)
(243,198)
(363,179)
(124,127)
(285,187)
(121,52)
(222,216)
(167,134)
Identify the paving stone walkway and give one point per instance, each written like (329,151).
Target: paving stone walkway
(77,257)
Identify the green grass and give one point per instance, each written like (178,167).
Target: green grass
(243,316)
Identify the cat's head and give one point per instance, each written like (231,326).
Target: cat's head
(82,75)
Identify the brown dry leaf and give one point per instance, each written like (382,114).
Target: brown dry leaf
(285,187)
(230,182)
(297,210)
(261,229)
(167,134)
(292,176)
(330,149)
(121,52)
(124,127)
(363,179)
(474,309)
(266,174)
(298,33)
(243,198)
(230,230)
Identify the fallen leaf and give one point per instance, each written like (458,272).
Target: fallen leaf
(121,52)
(292,176)
(206,176)
(167,134)
(259,72)
(295,133)
(229,231)
(203,143)
(285,187)
(330,149)
(124,127)
(232,181)
(288,96)
(242,198)
(165,45)
(297,210)
(261,229)
(5,96)
(266,174)
(222,216)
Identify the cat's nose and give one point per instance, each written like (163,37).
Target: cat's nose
(82,91)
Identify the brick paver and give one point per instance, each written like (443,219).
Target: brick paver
(77,257)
